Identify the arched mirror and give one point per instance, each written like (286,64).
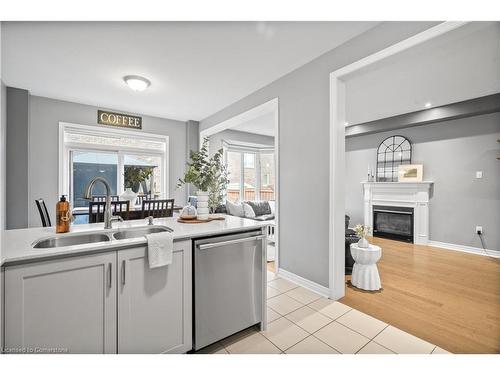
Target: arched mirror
(392,152)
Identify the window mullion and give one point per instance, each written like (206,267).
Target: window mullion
(120,170)
(257,176)
(242,177)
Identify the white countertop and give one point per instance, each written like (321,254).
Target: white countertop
(17,243)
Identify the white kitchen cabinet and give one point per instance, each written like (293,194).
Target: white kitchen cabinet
(63,305)
(105,303)
(154,305)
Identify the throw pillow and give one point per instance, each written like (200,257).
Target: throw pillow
(260,208)
(235,209)
(249,213)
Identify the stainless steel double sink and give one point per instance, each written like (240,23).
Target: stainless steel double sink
(88,238)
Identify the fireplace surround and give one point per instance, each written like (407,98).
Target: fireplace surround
(393,222)
(394,196)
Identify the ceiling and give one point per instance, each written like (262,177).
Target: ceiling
(459,65)
(196,68)
(262,125)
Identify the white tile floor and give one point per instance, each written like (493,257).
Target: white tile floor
(303,322)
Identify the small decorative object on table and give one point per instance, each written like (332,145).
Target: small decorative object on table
(129,195)
(365,272)
(362,231)
(209,176)
(188,213)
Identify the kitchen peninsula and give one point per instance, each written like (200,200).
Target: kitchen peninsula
(92,291)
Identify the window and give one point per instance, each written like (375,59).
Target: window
(251,173)
(233,161)
(249,177)
(267,176)
(86,166)
(89,151)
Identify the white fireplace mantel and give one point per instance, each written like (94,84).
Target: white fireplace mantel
(401,194)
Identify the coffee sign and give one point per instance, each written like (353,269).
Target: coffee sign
(119,119)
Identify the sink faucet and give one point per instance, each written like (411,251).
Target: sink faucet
(108,218)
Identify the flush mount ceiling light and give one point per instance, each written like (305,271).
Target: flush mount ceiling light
(137,83)
(428,105)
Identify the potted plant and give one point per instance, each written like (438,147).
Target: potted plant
(362,231)
(134,177)
(209,176)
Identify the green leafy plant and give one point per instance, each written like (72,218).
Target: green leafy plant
(134,176)
(207,174)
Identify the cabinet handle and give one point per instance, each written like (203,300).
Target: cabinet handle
(231,242)
(109,275)
(123,271)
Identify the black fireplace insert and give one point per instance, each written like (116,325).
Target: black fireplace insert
(392,222)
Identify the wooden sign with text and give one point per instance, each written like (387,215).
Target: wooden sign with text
(119,119)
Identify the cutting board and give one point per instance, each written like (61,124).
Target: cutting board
(196,221)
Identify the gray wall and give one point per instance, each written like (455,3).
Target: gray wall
(304,146)
(42,174)
(235,135)
(192,144)
(451,153)
(17,159)
(3,154)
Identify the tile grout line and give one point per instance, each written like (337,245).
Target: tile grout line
(306,304)
(308,334)
(392,351)
(342,324)
(430,343)
(388,325)
(331,321)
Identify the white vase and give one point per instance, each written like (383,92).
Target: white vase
(363,242)
(129,195)
(202,205)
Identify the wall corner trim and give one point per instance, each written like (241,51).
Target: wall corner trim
(465,249)
(305,283)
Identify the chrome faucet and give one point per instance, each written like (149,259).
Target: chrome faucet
(108,218)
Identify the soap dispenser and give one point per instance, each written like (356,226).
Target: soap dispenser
(63,215)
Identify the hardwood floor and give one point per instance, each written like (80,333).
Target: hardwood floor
(449,298)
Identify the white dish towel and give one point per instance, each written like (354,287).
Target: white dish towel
(160,248)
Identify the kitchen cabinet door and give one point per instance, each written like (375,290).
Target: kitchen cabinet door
(154,304)
(65,305)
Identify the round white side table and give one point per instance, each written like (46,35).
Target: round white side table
(365,272)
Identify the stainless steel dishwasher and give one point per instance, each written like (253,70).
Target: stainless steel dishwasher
(228,285)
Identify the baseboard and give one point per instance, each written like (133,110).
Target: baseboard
(305,283)
(465,249)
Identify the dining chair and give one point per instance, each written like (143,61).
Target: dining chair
(102,198)
(44,214)
(96,210)
(158,208)
(143,197)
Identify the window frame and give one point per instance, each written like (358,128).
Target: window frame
(66,148)
(249,149)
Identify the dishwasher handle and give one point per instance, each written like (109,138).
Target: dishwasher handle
(230,242)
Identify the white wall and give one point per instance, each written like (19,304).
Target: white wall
(459,65)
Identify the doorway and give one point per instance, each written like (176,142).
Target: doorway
(250,142)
